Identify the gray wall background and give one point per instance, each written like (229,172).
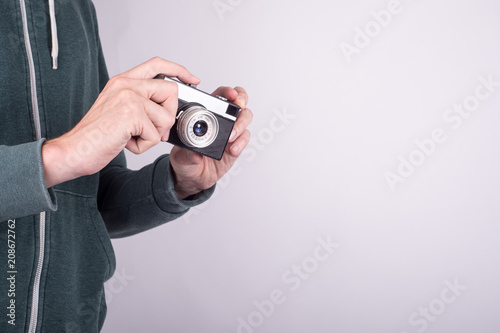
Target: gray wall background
(423,256)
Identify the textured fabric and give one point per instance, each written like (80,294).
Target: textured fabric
(147,198)
(81,214)
(27,195)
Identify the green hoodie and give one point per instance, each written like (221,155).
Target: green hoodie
(55,249)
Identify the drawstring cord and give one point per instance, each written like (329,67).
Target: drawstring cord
(53,31)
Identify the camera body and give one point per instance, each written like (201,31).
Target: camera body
(203,122)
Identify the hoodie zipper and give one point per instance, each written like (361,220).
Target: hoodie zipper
(38,131)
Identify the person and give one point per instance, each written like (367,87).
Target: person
(64,185)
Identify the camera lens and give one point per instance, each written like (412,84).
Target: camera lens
(200,128)
(196,126)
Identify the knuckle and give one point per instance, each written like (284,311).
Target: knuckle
(170,87)
(156,60)
(155,64)
(165,122)
(126,96)
(241,90)
(247,135)
(132,113)
(173,87)
(170,108)
(127,111)
(156,139)
(170,122)
(118,81)
(112,82)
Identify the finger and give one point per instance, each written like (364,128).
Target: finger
(237,146)
(160,102)
(236,95)
(185,157)
(160,91)
(244,119)
(157,65)
(162,118)
(165,100)
(227,92)
(144,136)
(242,95)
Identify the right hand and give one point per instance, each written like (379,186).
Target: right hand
(134,111)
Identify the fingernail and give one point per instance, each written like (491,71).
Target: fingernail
(233,134)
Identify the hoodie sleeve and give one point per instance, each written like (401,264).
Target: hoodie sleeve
(131,202)
(22,183)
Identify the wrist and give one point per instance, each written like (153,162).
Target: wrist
(184,189)
(57,163)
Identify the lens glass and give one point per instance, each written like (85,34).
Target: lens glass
(200,128)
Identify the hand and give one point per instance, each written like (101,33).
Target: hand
(194,172)
(134,111)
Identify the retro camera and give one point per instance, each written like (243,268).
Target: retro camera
(203,122)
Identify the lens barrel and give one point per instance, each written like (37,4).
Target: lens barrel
(196,126)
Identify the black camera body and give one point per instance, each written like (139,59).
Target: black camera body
(203,122)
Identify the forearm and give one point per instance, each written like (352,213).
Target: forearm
(134,201)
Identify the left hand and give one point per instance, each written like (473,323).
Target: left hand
(194,172)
